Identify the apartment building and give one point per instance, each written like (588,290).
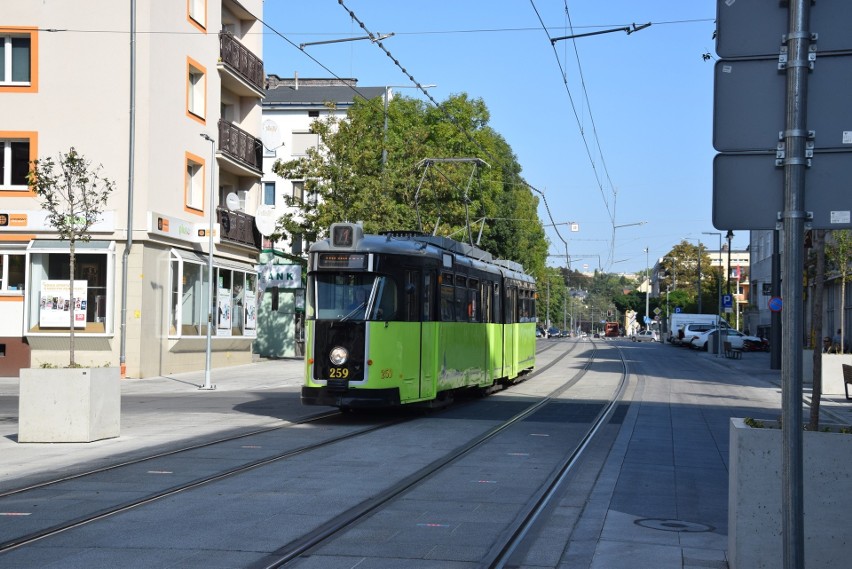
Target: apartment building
(168,101)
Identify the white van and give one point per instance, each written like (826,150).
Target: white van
(678,320)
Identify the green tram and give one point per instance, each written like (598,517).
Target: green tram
(402,318)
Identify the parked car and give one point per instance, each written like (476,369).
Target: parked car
(693,330)
(553,332)
(539,332)
(736,338)
(645,336)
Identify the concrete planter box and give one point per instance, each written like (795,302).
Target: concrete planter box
(832,373)
(69,405)
(754,498)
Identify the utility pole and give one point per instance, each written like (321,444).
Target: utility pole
(795,163)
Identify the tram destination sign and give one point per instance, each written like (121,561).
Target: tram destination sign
(342,261)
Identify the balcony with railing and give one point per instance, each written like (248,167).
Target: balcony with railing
(238,227)
(242,63)
(241,147)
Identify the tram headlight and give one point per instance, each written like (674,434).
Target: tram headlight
(338,355)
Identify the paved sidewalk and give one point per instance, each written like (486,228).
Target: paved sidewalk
(160,412)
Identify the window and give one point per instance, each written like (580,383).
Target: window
(18,47)
(12,273)
(269,193)
(196,91)
(298,192)
(197,13)
(15,156)
(48,305)
(234,292)
(194,183)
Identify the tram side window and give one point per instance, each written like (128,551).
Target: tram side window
(412,296)
(486,290)
(461,299)
(447,298)
(427,297)
(473,301)
(511,310)
(385,306)
(526,307)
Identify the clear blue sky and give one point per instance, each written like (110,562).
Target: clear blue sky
(626,135)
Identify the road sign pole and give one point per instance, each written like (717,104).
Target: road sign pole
(793,226)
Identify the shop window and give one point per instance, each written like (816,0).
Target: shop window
(235,309)
(52,295)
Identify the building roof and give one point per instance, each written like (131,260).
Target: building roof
(316,92)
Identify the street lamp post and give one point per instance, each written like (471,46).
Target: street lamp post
(719,317)
(647,287)
(210,300)
(729,236)
(385,128)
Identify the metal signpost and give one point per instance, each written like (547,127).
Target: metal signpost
(793,139)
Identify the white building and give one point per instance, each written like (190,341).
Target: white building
(76,74)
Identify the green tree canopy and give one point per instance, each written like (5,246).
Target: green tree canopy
(362,172)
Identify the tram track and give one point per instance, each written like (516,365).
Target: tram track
(514,535)
(29,493)
(324,532)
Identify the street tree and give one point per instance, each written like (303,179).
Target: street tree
(361,171)
(839,257)
(74,195)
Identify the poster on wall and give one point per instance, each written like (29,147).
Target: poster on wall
(54,309)
(250,316)
(223,313)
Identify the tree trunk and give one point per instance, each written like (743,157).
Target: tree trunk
(71,264)
(819,288)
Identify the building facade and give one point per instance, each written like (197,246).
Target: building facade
(168,101)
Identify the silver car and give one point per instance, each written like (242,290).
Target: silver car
(645,336)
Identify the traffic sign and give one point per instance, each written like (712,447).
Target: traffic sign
(748,191)
(775,304)
(677,310)
(749,98)
(749,29)
(728,302)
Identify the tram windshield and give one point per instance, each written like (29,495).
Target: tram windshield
(353,296)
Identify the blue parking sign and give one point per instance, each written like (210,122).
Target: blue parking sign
(727,300)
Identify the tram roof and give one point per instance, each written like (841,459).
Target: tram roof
(419,244)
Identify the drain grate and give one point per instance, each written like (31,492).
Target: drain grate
(673,525)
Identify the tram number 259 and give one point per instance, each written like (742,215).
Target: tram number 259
(338,373)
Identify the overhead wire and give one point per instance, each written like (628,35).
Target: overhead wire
(451,118)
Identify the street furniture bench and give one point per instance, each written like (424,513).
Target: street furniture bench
(731,352)
(847,378)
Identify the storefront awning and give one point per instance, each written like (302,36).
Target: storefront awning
(201,259)
(63,246)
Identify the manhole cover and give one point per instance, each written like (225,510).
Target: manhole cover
(673,525)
